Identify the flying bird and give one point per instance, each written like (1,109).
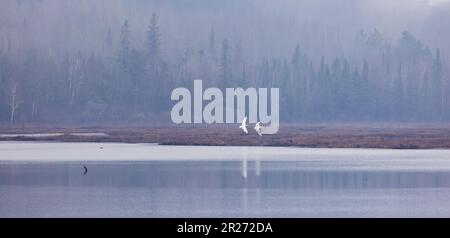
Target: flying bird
(85,170)
(258,128)
(243,126)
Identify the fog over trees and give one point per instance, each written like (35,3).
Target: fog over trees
(116,61)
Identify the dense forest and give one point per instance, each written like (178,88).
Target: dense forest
(388,79)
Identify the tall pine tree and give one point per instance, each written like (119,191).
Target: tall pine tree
(225,70)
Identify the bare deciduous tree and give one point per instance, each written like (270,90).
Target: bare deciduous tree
(15,102)
(75,77)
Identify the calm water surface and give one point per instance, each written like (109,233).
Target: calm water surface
(46,180)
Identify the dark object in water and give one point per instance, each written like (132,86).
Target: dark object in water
(85,170)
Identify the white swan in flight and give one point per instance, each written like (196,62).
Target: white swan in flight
(243,126)
(258,128)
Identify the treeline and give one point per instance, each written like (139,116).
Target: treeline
(404,81)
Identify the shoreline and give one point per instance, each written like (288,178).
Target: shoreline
(426,136)
(112,153)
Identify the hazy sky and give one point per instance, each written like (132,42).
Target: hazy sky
(264,27)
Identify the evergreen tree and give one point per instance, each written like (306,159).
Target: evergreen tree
(153,45)
(355,97)
(296,57)
(322,92)
(212,46)
(286,98)
(426,104)
(154,62)
(225,71)
(298,88)
(238,63)
(137,78)
(437,85)
(344,90)
(366,93)
(124,46)
(398,96)
(108,49)
(336,70)
(243,80)
(109,39)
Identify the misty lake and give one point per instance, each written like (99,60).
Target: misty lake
(40,179)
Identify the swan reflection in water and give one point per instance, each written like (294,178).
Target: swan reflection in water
(244,165)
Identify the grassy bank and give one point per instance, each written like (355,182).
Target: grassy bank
(317,136)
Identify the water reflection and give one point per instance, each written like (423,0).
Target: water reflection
(247,188)
(244,168)
(222,175)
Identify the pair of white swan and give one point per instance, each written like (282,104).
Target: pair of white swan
(244,125)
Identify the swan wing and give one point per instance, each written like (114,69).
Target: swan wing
(244,122)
